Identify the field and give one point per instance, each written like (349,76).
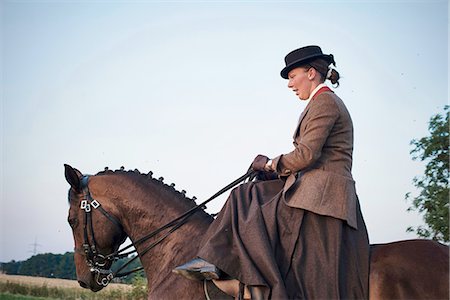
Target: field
(26,287)
(54,282)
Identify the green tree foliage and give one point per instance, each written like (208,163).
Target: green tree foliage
(60,266)
(44,265)
(433,198)
(10,268)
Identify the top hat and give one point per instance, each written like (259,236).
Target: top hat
(302,55)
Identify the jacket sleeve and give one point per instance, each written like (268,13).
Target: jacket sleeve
(319,121)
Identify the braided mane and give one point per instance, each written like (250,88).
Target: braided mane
(158,181)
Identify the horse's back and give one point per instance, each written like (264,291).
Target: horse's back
(412,269)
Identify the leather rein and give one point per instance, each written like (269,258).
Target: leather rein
(97,262)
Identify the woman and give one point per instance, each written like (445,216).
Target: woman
(301,235)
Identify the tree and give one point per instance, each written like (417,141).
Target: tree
(62,266)
(433,197)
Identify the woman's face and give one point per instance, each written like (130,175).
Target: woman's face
(300,81)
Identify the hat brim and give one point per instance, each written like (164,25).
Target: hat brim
(295,64)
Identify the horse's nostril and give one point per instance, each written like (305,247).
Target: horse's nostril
(82,284)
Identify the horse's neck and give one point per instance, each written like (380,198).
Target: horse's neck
(144,209)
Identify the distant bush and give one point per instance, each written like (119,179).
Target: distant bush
(139,290)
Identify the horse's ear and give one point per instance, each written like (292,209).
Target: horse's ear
(73,177)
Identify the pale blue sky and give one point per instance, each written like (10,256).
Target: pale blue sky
(191,90)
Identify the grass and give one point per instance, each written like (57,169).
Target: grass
(7,296)
(39,288)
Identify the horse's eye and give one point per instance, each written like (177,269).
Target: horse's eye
(73,222)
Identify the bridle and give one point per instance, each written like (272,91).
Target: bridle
(94,259)
(97,261)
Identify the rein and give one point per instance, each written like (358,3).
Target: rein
(97,261)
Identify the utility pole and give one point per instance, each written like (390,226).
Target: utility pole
(35,246)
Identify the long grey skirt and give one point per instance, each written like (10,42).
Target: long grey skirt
(292,253)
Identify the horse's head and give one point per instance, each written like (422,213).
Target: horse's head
(96,230)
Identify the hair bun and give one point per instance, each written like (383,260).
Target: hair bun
(334,77)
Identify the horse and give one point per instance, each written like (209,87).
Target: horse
(130,204)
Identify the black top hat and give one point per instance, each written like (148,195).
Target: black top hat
(301,56)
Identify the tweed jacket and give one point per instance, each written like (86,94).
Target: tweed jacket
(318,170)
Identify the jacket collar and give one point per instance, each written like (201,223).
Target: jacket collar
(321,88)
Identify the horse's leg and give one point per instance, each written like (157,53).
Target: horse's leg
(231,287)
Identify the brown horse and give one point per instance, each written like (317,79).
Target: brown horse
(133,204)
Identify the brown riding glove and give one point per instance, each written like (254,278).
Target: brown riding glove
(260,166)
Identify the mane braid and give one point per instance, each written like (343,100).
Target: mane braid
(159,181)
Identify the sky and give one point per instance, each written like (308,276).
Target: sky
(191,91)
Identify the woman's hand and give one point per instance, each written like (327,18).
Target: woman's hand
(259,163)
(262,166)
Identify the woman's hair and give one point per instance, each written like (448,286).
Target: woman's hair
(322,66)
